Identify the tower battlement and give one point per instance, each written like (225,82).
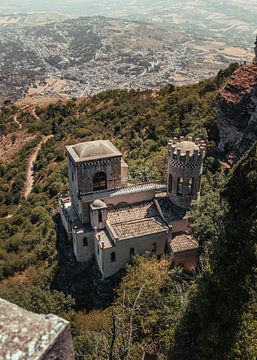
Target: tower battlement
(186,150)
(185,166)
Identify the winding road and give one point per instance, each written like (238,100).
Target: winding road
(29,182)
(16,121)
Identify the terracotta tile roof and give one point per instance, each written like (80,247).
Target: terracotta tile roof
(132,212)
(183,243)
(136,220)
(131,229)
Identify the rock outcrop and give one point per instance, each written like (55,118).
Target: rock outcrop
(237,107)
(25,335)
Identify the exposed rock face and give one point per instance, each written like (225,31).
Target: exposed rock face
(25,335)
(237,106)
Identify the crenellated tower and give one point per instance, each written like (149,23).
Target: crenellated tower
(185,166)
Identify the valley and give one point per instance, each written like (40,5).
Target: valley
(73,49)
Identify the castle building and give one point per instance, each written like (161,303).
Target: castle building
(109,220)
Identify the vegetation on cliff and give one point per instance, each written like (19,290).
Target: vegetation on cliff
(220,319)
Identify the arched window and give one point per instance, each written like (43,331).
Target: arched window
(190,186)
(113,257)
(99,181)
(180,186)
(170,183)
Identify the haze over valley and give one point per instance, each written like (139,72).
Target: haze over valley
(140,44)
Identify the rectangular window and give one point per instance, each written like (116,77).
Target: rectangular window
(180,186)
(154,248)
(132,252)
(170,183)
(190,186)
(100,216)
(113,257)
(98,249)
(85,242)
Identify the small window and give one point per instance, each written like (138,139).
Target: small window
(72,176)
(85,242)
(113,257)
(170,183)
(99,181)
(190,186)
(100,216)
(180,186)
(132,252)
(154,248)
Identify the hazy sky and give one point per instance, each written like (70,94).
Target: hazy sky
(68,6)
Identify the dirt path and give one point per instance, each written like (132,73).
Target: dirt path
(16,121)
(33,113)
(28,186)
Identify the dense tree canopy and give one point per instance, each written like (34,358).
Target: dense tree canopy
(220,320)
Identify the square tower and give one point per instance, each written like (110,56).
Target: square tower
(94,166)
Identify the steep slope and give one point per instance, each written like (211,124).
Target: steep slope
(220,321)
(237,106)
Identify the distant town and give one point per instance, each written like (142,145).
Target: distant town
(59,56)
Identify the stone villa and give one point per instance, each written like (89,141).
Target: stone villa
(109,220)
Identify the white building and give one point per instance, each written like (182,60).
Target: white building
(110,221)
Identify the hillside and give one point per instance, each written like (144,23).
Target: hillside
(86,55)
(238,110)
(220,319)
(139,124)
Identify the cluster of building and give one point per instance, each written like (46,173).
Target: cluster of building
(89,55)
(109,220)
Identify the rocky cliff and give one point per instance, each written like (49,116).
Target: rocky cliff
(237,108)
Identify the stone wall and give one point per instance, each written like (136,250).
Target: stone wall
(28,336)
(189,259)
(140,245)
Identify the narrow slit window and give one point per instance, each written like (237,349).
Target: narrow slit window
(180,186)
(170,183)
(132,252)
(85,241)
(100,217)
(113,257)
(154,248)
(190,186)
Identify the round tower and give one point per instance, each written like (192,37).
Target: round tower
(185,166)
